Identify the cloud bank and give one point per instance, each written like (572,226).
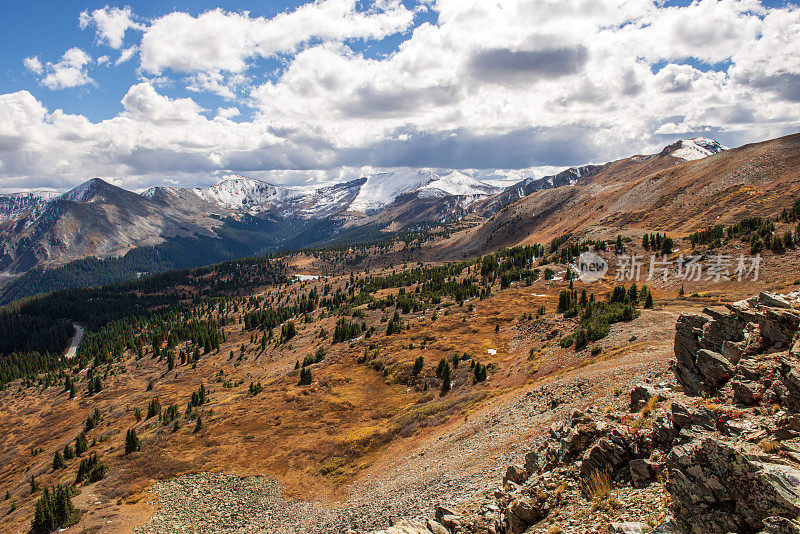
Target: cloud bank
(334,87)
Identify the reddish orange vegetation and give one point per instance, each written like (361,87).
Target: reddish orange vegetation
(361,413)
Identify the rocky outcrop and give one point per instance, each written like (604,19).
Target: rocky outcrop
(405,526)
(780,525)
(717,488)
(710,348)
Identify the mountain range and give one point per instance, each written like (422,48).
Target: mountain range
(97,219)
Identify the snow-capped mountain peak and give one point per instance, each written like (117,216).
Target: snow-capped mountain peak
(695,148)
(84,192)
(383,188)
(241,192)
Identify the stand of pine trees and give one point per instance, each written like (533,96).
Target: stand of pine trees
(91,469)
(54,510)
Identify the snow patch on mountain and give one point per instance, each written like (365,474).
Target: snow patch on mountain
(383,188)
(82,193)
(697,148)
(459,184)
(13,205)
(242,193)
(330,200)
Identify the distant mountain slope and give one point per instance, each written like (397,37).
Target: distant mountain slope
(15,205)
(97,219)
(651,192)
(94,219)
(382,189)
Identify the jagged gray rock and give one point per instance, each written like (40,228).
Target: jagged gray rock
(714,368)
(745,392)
(780,525)
(525,511)
(681,414)
(608,454)
(773,300)
(716,488)
(642,471)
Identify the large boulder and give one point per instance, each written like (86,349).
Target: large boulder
(607,455)
(404,526)
(716,488)
(525,511)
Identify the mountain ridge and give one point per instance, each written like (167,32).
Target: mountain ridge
(102,220)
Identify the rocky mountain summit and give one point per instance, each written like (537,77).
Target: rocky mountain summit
(714,450)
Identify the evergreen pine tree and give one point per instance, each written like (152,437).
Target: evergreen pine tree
(58,461)
(305,377)
(81,445)
(132,443)
(446,378)
(418,364)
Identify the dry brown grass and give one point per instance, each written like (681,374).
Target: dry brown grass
(771,446)
(647,409)
(597,485)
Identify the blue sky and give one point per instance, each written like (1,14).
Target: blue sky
(45,29)
(306,93)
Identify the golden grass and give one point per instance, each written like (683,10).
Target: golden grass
(770,446)
(597,484)
(647,409)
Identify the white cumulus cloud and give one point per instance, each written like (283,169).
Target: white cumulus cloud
(508,84)
(70,71)
(110,24)
(33,64)
(218,40)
